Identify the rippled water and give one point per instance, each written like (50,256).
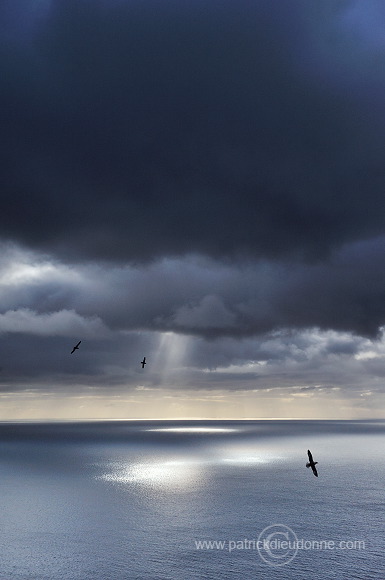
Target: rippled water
(143,500)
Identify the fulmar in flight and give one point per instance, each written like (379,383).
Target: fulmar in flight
(143,362)
(312,463)
(75,347)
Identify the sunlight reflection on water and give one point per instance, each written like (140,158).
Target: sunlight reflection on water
(245,460)
(193,430)
(173,473)
(193,464)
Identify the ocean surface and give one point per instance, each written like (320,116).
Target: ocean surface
(186,500)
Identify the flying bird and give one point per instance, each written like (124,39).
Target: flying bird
(312,463)
(143,362)
(75,347)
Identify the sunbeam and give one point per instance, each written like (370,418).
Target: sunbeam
(170,356)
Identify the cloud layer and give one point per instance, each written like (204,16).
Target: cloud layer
(134,130)
(199,182)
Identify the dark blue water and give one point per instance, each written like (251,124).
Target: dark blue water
(143,500)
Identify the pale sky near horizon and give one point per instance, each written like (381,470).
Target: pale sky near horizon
(200,183)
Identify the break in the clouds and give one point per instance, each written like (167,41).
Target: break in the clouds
(198,182)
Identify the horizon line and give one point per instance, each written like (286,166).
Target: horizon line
(110,420)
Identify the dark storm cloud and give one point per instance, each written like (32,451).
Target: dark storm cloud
(135,130)
(196,182)
(270,324)
(197,296)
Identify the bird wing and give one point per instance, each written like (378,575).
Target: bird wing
(310,455)
(78,344)
(314,470)
(73,350)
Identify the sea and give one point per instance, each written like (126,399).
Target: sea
(189,500)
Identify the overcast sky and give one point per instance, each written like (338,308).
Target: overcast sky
(201,183)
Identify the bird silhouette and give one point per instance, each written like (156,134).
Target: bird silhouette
(143,362)
(312,463)
(75,347)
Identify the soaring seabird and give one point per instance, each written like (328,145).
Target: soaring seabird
(75,347)
(312,463)
(143,362)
